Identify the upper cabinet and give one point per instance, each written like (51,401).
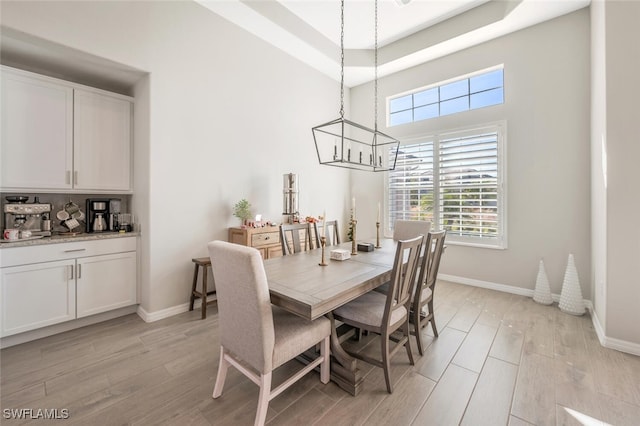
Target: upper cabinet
(58,135)
(101,142)
(37,133)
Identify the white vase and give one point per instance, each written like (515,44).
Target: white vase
(542,292)
(571,301)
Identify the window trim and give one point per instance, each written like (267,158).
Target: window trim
(501,128)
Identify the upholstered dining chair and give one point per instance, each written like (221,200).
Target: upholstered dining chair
(383,314)
(295,237)
(406,229)
(332,233)
(256,337)
(425,285)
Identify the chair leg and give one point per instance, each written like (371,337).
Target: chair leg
(223,366)
(325,369)
(433,318)
(386,364)
(418,328)
(193,288)
(263,399)
(407,344)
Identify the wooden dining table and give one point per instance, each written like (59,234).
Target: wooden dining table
(300,285)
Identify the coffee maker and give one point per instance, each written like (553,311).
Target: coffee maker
(27,216)
(97,213)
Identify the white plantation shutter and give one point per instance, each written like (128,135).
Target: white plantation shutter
(411,183)
(456,181)
(469,185)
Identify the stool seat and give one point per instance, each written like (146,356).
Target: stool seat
(203,262)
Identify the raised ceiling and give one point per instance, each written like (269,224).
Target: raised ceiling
(408,35)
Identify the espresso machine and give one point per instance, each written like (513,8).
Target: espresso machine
(33,217)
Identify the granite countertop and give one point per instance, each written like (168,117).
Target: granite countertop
(62,238)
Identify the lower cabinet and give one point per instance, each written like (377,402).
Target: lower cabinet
(105,283)
(37,290)
(35,296)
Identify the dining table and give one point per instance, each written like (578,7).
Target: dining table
(299,284)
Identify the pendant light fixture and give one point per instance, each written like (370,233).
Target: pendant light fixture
(343,143)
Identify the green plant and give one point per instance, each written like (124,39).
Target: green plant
(242,210)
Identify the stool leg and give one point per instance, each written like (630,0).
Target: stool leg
(193,288)
(204,292)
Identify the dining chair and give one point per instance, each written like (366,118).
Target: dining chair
(425,285)
(332,233)
(295,237)
(383,314)
(406,229)
(256,337)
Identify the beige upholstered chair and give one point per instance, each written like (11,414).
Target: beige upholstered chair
(385,313)
(406,229)
(426,285)
(256,337)
(295,238)
(332,233)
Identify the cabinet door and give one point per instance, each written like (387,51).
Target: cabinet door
(37,295)
(102,142)
(37,137)
(105,282)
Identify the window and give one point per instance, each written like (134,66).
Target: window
(454,180)
(477,91)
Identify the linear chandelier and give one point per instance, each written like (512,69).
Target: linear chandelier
(344,143)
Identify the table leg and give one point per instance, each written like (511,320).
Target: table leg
(344,371)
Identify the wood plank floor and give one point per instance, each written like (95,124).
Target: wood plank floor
(500,359)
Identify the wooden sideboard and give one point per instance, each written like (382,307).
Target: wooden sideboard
(266,239)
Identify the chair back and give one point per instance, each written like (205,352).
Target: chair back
(430,262)
(295,238)
(244,307)
(407,229)
(332,233)
(403,276)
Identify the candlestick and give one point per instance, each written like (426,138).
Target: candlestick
(323,242)
(378,235)
(354,250)
(324,223)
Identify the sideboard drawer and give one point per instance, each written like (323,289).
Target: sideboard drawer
(265,239)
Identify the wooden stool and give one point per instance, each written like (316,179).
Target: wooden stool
(204,262)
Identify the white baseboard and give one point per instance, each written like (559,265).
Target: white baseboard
(28,336)
(613,343)
(167,312)
(607,342)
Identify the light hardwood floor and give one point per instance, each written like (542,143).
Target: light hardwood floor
(500,359)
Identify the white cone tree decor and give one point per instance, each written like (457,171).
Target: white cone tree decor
(571,301)
(542,292)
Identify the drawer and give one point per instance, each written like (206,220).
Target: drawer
(265,239)
(61,251)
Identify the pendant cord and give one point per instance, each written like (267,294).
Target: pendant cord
(375,105)
(342,59)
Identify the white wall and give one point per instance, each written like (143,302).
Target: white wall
(222,117)
(598,162)
(547,80)
(623,152)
